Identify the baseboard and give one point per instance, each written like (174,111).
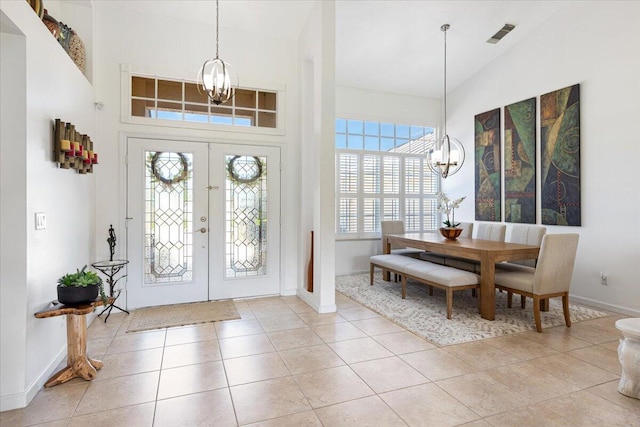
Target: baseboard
(609,307)
(21,400)
(305,296)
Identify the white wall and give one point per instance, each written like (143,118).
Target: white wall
(51,87)
(597,45)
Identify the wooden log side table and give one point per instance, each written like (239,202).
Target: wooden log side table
(110,269)
(78,363)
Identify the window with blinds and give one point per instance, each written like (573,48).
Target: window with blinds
(381,175)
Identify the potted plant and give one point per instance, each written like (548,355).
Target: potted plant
(447,207)
(81,287)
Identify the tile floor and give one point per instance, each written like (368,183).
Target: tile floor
(283,364)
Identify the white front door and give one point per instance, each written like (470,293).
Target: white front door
(197,226)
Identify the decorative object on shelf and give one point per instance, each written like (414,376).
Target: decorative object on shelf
(487,167)
(216,77)
(246,171)
(560,156)
(520,162)
(111,240)
(448,207)
(446,156)
(77,51)
(81,287)
(157,169)
(73,150)
(38,7)
(52,24)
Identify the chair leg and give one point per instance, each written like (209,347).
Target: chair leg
(565,309)
(403,282)
(430,290)
(523,301)
(371,268)
(473,293)
(509,299)
(449,302)
(536,312)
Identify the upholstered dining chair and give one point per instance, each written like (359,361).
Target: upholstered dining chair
(396,227)
(488,231)
(550,278)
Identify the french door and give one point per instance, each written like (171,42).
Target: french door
(203,221)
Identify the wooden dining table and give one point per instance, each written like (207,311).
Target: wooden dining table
(487,252)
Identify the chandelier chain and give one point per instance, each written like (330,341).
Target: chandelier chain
(217,29)
(444,29)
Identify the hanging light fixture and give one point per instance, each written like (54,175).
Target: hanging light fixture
(446,155)
(216,77)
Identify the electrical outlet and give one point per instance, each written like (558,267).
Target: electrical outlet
(603,279)
(41,220)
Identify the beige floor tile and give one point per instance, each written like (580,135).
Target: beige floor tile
(481,355)
(610,392)
(316,319)
(531,416)
(437,364)
(520,347)
(388,374)
(99,329)
(248,369)
(301,419)
(238,328)
(559,341)
(403,342)
(482,394)
(428,405)
(309,359)
(369,411)
(478,423)
(266,301)
(211,408)
(281,323)
(245,346)
(191,379)
(189,354)
(301,307)
(294,338)
(132,362)
(333,385)
(137,341)
(359,350)
(377,326)
(135,415)
(189,334)
(599,356)
(246,313)
(591,332)
(357,313)
(573,370)
(345,304)
(268,399)
(104,395)
(611,345)
(98,348)
(530,381)
(338,332)
(584,408)
(271,310)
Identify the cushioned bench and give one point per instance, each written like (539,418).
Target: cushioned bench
(440,276)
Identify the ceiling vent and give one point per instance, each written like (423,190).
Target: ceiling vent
(500,34)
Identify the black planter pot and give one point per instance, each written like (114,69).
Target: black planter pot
(76,295)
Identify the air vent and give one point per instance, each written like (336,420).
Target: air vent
(500,34)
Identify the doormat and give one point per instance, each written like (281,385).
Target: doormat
(167,316)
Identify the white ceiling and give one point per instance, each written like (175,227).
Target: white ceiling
(388,45)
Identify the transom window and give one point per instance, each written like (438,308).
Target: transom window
(183,101)
(381,174)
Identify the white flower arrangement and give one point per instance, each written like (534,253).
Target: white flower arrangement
(447,207)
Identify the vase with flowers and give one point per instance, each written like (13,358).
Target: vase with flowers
(448,207)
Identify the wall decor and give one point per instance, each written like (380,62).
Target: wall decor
(520,162)
(73,150)
(560,156)
(487,162)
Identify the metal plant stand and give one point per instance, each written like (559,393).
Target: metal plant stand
(110,269)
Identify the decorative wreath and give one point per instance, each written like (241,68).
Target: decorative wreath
(184,174)
(247,179)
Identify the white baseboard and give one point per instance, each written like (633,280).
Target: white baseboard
(605,306)
(306,297)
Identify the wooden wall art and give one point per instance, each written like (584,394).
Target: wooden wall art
(560,156)
(487,166)
(520,162)
(73,150)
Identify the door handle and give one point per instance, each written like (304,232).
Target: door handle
(203,230)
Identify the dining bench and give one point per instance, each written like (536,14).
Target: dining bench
(447,278)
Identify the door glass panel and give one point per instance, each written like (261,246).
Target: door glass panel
(168,218)
(246,216)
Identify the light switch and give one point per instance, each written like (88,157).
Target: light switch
(41,220)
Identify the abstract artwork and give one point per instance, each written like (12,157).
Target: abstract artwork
(560,156)
(520,162)
(487,162)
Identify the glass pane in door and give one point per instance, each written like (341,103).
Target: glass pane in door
(168,235)
(245,216)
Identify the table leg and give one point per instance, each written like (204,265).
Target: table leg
(386,276)
(487,286)
(78,363)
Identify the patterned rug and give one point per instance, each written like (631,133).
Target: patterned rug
(426,316)
(166,316)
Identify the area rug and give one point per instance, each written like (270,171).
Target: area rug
(426,316)
(166,316)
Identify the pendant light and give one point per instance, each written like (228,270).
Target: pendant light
(216,76)
(445,156)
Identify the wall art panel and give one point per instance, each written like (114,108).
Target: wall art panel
(560,156)
(520,162)
(487,164)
